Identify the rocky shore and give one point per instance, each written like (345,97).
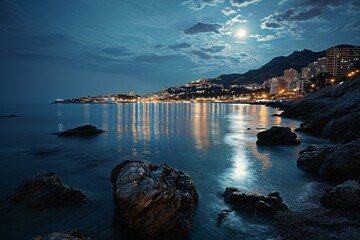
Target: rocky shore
(332,113)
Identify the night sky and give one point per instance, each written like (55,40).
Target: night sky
(60,49)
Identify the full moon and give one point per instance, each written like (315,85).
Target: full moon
(241,33)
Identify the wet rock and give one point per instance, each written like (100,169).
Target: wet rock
(74,235)
(343,129)
(47,190)
(223,215)
(276,115)
(277,136)
(242,201)
(336,163)
(318,224)
(86,130)
(344,196)
(331,113)
(343,163)
(312,158)
(154,200)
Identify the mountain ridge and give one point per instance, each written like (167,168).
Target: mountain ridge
(273,68)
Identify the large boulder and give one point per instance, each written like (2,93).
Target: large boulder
(345,196)
(74,235)
(242,201)
(336,163)
(312,158)
(47,190)
(343,163)
(277,136)
(83,131)
(343,129)
(154,200)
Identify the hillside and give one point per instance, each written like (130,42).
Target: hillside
(275,67)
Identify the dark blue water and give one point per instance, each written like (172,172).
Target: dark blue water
(211,142)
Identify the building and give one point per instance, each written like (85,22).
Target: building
(278,84)
(298,85)
(342,59)
(290,74)
(321,65)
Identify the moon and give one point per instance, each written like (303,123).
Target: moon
(241,33)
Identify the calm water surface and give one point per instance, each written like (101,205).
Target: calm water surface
(214,143)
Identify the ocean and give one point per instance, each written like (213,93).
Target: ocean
(213,142)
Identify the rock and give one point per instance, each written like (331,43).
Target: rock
(343,129)
(344,196)
(331,113)
(343,163)
(318,224)
(223,215)
(276,115)
(154,200)
(74,235)
(312,158)
(86,130)
(242,201)
(277,136)
(336,163)
(47,190)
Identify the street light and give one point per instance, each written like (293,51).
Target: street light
(332,81)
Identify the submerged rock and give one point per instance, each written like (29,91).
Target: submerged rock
(345,196)
(318,224)
(154,200)
(74,235)
(47,190)
(337,163)
(277,136)
(86,130)
(254,202)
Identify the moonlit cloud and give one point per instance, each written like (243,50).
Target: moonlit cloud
(228,11)
(200,4)
(237,19)
(200,54)
(243,3)
(266,38)
(203,28)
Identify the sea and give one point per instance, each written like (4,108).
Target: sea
(215,143)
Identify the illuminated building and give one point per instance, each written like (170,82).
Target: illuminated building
(342,59)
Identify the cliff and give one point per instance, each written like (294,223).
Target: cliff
(332,113)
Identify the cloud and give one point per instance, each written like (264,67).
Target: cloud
(200,4)
(116,51)
(228,11)
(352,26)
(261,38)
(327,29)
(200,54)
(286,22)
(203,28)
(283,1)
(217,48)
(180,46)
(323,3)
(266,38)
(236,19)
(243,3)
